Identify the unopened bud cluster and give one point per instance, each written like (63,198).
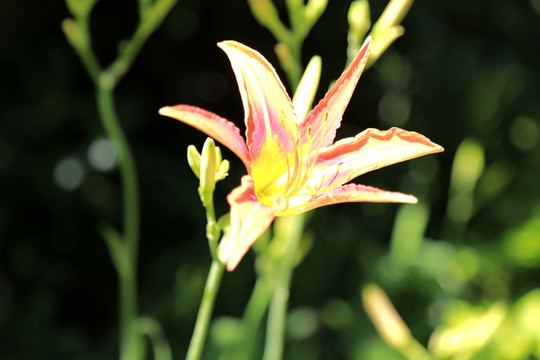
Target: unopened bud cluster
(208,166)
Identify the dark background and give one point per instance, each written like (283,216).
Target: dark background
(463,69)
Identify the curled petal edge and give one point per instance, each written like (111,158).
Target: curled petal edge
(370,150)
(357,193)
(249,220)
(218,128)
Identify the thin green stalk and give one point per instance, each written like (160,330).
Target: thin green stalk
(129,347)
(152,329)
(128,279)
(205,311)
(212,229)
(252,318)
(277,313)
(289,232)
(124,248)
(109,118)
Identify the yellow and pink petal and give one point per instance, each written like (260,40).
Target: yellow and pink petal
(370,150)
(354,193)
(269,113)
(212,125)
(249,219)
(322,122)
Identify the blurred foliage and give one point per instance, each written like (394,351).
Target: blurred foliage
(465,260)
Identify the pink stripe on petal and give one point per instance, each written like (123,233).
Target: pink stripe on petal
(357,193)
(249,219)
(212,125)
(370,150)
(268,108)
(334,103)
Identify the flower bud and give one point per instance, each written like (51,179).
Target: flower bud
(223,170)
(208,167)
(359,23)
(382,40)
(385,317)
(264,11)
(314,9)
(307,88)
(80,8)
(194,160)
(392,15)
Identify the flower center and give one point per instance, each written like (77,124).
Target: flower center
(279,174)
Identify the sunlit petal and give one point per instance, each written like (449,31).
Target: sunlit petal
(307,88)
(249,219)
(371,149)
(325,118)
(356,193)
(268,108)
(212,125)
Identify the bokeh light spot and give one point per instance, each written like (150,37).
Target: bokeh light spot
(524,133)
(102,155)
(302,323)
(68,173)
(338,314)
(182,22)
(460,208)
(394,109)
(468,165)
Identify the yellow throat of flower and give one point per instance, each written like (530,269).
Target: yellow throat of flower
(279,173)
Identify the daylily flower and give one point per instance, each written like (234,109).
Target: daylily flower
(293,164)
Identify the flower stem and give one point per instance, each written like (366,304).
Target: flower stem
(289,232)
(205,310)
(128,172)
(123,249)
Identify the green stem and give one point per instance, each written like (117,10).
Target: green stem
(126,257)
(86,54)
(129,347)
(128,172)
(151,18)
(254,313)
(289,231)
(212,229)
(205,311)
(128,279)
(277,313)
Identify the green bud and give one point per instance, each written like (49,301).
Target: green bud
(75,7)
(208,167)
(468,165)
(307,88)
(267,15)
(286,58)
(359,16)
(194,160)
(73,33)
(314,10)
(392,15)
(218,156)
(384,316)
(223,170)
(80,8)
(382,40)
(359,23)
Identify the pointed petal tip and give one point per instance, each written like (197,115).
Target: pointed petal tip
(230,266)
(164,111)
(229,43)
(368,40)
(410,199)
